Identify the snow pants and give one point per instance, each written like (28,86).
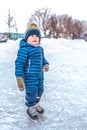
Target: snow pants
(34,89)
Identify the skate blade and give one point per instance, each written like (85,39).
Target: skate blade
(34,121)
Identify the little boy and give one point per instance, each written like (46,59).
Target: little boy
(29,67)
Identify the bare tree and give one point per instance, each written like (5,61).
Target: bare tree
(57,26)
(10,21)
(51,27)
(15,26)
(77,29)
(84,28)
(40,17)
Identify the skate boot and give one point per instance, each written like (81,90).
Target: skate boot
(39,109)
(32,114)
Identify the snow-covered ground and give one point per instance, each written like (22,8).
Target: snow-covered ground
(65,95)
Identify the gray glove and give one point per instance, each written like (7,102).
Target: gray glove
(46,68)
(21,84)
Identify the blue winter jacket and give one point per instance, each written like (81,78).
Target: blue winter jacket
(30,60)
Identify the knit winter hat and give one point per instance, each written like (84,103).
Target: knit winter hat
(31,30)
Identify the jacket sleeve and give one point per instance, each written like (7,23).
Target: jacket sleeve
(20,62)
(45,62)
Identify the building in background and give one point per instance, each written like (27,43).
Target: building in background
(13,36)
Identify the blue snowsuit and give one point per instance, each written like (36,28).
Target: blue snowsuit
(29,65)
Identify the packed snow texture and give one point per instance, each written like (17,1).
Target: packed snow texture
(65,94)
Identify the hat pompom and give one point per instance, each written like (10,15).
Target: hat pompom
(31,30)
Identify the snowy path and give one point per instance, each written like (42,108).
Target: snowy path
(65,96)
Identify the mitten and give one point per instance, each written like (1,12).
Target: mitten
(46,68)
(21,84)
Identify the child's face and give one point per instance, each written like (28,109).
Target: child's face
(33,39)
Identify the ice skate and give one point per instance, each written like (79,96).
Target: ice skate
(39,109)
(32,114)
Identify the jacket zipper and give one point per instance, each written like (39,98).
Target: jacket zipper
(28,65)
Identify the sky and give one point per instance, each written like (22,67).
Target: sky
(23,9)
